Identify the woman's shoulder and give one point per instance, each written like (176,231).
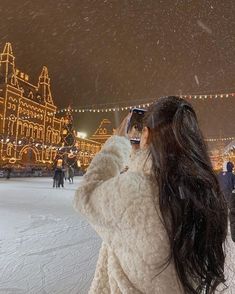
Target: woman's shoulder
(136,184)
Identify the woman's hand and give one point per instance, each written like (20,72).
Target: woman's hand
(122,129)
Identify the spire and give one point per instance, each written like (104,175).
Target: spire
(7,66)
(44,77)
(8,49)
(44,86)
(44,74)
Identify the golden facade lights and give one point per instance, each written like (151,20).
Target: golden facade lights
(29,128)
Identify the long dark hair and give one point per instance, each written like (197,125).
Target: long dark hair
(192,206)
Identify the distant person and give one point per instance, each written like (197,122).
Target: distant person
(232,215)
(70,174)
(164,221)
(66,173)
(55,178)
(227,181)
(58,177)
(8,172)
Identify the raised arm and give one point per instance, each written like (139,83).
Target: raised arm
(94,198)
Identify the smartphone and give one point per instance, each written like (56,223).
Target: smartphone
(135,125)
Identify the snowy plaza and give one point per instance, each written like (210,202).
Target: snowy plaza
(45,246)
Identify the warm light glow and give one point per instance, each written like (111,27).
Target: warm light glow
(81,135)
(30,126)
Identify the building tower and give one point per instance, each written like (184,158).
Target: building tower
(44,87)
(7,66)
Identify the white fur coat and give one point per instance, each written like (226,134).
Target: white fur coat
(122,210)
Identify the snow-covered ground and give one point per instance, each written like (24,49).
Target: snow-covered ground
(45,246)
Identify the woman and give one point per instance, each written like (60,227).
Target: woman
(163,222)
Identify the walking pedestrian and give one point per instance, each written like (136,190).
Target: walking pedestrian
(8,172)
(227,181)
(227,184)
(70,174)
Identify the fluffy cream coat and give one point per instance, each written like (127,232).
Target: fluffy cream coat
(124,211)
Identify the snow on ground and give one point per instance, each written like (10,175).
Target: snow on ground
(45,246)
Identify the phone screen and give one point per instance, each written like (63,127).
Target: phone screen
(136,119)
(135,125)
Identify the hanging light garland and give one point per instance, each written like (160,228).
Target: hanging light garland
(142,105)
(220,139)
(110,109)
(139,105)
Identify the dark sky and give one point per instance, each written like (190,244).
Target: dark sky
(111,51)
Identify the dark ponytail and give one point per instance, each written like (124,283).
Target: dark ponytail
(192,206)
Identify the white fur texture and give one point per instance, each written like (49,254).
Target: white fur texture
(122,210)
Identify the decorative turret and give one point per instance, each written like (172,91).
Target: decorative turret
(7,66)
(44,87)
(104,131)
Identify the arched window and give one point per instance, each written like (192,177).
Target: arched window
(30,130)
(54,137)
(1,123)
(36,132)
(19,128)
(47,155)
(30,96)
(58,138)
(25,129)
(40,132)
(48,136)
(9,149)
(10,127)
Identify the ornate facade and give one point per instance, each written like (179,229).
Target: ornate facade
(87,150)
(104,131)
(30,132)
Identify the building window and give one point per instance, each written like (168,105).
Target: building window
(36,132)
(25,130)
(20,128)
(9,149)
(48,139)
(30,131)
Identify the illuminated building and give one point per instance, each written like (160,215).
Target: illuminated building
(87,150)
(104,131)
(229,152)
(30,132)
(76,149)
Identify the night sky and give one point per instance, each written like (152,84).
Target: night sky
(100,52)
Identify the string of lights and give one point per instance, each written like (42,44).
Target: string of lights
(56,147)
(220,139)
(20,142)
(110,107)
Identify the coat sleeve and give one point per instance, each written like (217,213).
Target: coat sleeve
(97,196)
